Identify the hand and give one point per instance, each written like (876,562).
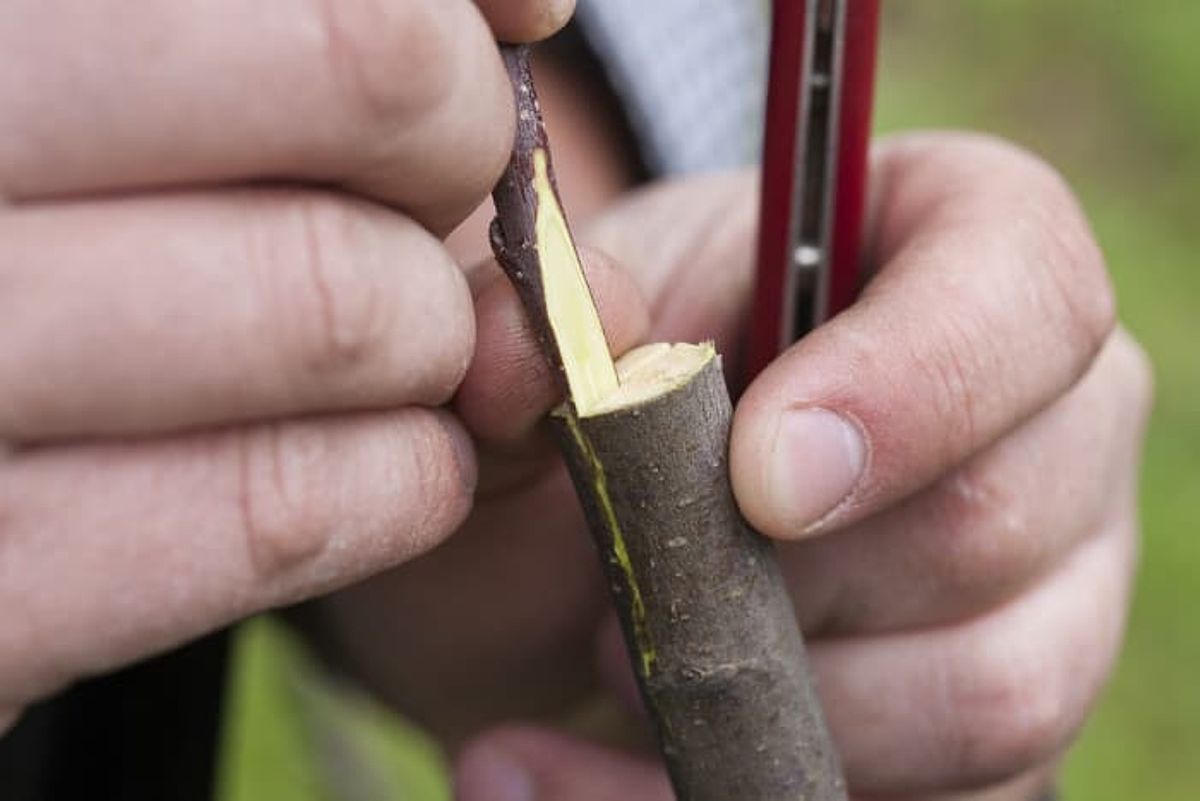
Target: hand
(957,522)
(228,316)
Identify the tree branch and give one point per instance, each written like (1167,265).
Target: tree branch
(706,616)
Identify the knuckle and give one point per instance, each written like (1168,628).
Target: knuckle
(1007,715)
(1134,372)
(454,326)
(360,303)
(335,306)
(439,488)
(1058,255)
(1080,296)
(281,501)
(951,364)
(981,541)
(388,60)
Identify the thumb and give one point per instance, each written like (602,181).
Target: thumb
(525,763)
(990,303)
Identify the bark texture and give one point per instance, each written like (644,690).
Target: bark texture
(705,612)
(706,616)
(513,230)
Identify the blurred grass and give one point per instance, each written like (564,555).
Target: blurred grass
(292,733)
(1110,93)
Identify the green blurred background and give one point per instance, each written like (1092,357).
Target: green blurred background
(1109,92)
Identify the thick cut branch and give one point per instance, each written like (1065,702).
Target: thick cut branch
(704,609)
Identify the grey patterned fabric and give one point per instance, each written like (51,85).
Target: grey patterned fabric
(690,74)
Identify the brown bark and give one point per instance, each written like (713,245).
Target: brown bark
(512,231)
(702,603)
(706,616)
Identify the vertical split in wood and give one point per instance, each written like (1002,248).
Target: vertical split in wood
(706,616)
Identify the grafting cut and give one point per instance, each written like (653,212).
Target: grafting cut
(707,619)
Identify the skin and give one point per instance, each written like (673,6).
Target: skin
(963,610)
(223,389)
(229,317)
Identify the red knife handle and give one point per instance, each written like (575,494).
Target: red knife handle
(784,78)
(854,127)
(768,327)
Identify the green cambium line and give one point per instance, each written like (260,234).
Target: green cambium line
(591,375)
(620,554)
(707,622)
(596,386)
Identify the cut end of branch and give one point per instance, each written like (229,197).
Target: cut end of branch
(650,372)
(646,441)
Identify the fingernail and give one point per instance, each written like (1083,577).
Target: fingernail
(489,774)
(817,460)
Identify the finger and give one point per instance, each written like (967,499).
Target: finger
(147,314)
(689,245)
(114,551)
(508,560)
(992,301)
(973,705)
(535,764)
(508,389)
(992,528)
(532,764)
(405,100)
(963,707)
(526,20)
(1034,785)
